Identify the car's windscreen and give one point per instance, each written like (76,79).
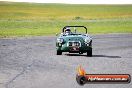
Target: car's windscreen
(77,30)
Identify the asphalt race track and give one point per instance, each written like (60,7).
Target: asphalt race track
(32,62)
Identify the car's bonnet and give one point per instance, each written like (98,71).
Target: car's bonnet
(74,38)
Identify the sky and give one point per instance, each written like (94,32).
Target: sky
(77,1)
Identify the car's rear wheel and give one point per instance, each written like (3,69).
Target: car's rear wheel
(59,52)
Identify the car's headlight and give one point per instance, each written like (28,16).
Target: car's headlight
(60,40)
(87,40)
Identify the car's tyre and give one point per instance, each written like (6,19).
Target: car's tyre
(89,53)
(59,53)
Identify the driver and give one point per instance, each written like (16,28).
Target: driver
(68,31)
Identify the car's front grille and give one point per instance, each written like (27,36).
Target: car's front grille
(74,44)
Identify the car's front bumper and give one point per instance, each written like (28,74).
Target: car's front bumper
(82,49)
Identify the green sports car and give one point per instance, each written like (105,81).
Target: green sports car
(72,40)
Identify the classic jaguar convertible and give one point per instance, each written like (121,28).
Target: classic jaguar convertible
(74,41)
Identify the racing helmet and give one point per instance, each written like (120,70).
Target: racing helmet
(67,30)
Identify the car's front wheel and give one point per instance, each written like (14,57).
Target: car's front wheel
(89,53)
(59,52)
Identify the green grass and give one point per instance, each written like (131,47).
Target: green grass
(30,19)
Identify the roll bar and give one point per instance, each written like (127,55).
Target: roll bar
(73,26)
